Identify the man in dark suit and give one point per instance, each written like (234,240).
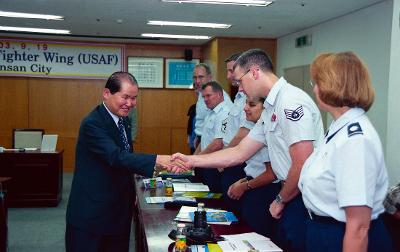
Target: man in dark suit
(100,206)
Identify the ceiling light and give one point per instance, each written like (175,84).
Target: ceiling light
(189,24)
(38,30)
(232,2)
(153,35)
(29,15)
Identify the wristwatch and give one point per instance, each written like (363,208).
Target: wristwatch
(279,199)
(248,185)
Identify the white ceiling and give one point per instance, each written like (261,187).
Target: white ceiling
(98,18)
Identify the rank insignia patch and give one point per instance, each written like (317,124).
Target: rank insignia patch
(294,115)
(354,129)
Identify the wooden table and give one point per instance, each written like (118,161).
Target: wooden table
(36,177)
(153,222)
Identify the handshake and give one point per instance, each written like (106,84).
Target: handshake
(177,163)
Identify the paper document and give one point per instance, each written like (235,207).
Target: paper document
(248,241)
(49,143)
(155,200)
(163,199)
(30,149)
(186,211)
(180,180)
(190,187)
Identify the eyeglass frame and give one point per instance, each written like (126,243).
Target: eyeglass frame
(236,83)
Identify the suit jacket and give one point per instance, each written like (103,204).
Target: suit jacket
(102,194)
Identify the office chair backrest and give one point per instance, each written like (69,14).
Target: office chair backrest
(27,138)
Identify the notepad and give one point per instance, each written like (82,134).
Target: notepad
(190,187)
(248,241)
(49,143)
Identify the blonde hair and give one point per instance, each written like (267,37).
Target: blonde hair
(343,80)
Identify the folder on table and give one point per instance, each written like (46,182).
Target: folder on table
(49,143)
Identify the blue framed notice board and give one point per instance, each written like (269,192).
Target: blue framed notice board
(179,73)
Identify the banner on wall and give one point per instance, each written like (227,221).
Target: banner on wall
(60,59)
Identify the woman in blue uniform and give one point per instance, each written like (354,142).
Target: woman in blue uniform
(257,191)
(344,182)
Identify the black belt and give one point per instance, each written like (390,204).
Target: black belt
(324,219)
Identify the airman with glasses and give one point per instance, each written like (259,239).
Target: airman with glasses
(291,122)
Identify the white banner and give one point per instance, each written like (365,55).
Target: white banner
(60,59)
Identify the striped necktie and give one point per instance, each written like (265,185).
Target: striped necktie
(121,129)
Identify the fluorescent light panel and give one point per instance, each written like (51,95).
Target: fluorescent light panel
(189,24)
(29,15)
(154,35)
(232,2)
(38,30)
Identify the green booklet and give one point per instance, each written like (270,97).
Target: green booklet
(207,195)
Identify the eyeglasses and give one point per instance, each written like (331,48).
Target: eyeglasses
(237,82)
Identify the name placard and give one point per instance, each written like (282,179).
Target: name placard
(60,59)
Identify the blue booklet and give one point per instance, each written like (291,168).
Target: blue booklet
(217,217)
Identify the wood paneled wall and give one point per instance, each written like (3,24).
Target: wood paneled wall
(162,120)
(56,105)
(162,113)
(218,49)
(59,105)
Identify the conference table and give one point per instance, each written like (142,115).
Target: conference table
(153,222)
(3,213)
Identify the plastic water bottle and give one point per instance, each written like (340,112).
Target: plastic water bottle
(200,217)
(168,187)
(180,241)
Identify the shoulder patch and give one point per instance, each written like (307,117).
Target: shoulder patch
(354,129)
(294,115)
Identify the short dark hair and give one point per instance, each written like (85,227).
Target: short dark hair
(255,57)
(114,81)
(233,57)
(214,86)
(205,66)
(257,99)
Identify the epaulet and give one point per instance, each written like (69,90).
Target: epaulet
(354,129)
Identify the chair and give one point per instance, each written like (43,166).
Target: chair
(27,138)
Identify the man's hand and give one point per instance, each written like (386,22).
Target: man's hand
(276,209)
(237,189)
(162,160)
(179,163)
